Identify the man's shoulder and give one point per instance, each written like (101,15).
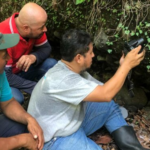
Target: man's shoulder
(41,41)
(5,91)
(8,25)
(4,26)
(60,75)
(3,78)
(61,70)
(2,75)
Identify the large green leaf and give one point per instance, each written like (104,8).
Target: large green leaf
(79,1)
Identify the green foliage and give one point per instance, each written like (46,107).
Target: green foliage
(109,43)
(79,1)
(120,20)
(148,67)
(109,51)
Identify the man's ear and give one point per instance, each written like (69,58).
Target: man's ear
(78,58)
(26,28)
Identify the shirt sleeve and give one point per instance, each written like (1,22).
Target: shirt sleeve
(41,40)
(42,52)
(72,89)
(6,93)
(89,77)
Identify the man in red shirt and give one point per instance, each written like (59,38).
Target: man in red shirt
(30,57)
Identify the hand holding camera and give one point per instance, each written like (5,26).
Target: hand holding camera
(134,55)
(134,51)
(128,46)
(133,58)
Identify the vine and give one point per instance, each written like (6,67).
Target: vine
(130,22)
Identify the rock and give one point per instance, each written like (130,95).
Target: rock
(139,100)
(100,39)
(57,34)
(100,58)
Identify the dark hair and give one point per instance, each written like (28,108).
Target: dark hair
(74,42)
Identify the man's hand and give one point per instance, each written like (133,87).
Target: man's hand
(25,140)
(29,141)
(36,132)
(25,62)
(15,111)
(133,58)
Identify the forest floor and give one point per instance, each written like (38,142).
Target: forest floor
(140,125)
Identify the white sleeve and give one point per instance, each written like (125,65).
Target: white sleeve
(73,89)
(89,77)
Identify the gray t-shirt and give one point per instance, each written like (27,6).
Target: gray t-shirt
(57,100)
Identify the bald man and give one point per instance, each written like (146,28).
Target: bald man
(30,57)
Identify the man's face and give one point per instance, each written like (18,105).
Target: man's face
(38,28)
(4,57)
(88,58)
(37,31)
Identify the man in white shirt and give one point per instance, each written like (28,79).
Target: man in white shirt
(69,104)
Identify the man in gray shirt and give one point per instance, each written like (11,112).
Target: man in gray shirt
(69,104)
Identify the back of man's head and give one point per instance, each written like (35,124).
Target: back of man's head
(74,42)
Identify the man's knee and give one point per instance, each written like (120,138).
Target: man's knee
(114,107)
(49,63)
(10,128)
(17,95)
(112,104)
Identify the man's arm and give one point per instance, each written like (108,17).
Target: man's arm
(107,91)
(13,110)
(39,54)
(42,52)
(18,141)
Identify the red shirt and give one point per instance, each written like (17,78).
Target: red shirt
(23,47)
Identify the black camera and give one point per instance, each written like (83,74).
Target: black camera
(128,46)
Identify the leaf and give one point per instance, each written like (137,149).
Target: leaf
(148,47)
(148,25)
(137,34)
(132,33)
(141,24)
(120,25)
(140,31)
(127,32)
(148,67)
(114,10)
(95,1)
(137,27)
(148,40)
(105,139)
(109,43)
(116,35)
(79,1)
(109,51)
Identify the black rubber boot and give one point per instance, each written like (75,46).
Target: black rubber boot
(126,139)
